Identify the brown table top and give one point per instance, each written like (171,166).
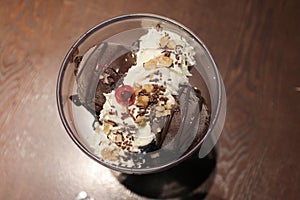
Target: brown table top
(256,45)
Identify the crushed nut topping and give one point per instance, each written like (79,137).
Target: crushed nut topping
(142,101)
(167,43)
(150,96)
(109,154)
(160,61)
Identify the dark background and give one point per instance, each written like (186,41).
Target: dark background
(256,45)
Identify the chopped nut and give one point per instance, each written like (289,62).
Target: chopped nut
(163,42)
(160,61)
(140,119)
(142,101)
(165,61)
(97,129)
(168,106)
(118,138)
(109,154)
(151,64)
(171,44)
(137,90)
(148,87)
(107,128)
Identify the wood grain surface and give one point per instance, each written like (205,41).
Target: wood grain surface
(256,45)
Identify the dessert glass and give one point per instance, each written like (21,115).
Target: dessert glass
(206,77)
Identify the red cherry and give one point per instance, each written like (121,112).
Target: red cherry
(125,95)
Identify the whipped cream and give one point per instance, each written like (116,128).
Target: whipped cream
(162,65)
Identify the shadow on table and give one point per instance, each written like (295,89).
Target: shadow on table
(189,180)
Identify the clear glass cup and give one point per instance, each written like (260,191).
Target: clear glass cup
(124,31)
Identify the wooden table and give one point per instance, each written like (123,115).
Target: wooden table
(256,45)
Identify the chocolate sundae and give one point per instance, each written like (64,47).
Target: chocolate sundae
(146,111)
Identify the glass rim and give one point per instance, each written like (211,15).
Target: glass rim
(88,33)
